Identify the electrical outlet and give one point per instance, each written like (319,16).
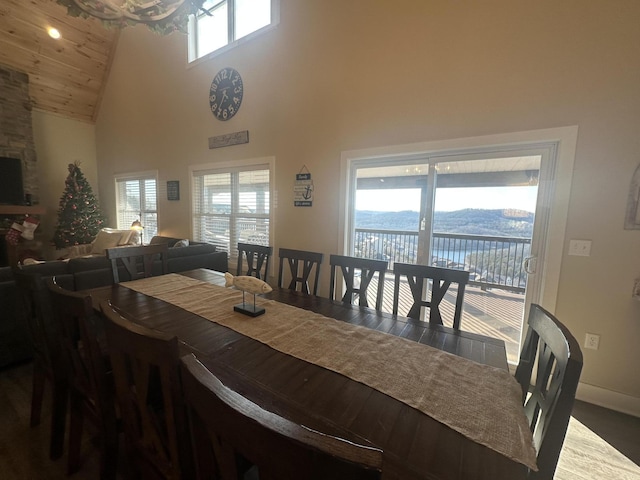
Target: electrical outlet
(592,341)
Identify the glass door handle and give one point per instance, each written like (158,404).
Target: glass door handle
(529,265)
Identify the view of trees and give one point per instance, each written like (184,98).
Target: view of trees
(491,244)
(503,222)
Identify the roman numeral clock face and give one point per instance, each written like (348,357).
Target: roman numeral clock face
(225,95)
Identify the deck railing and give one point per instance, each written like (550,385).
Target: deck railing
(493,262)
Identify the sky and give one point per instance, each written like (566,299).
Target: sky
(449,199)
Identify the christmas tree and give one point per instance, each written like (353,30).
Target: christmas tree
(79,217)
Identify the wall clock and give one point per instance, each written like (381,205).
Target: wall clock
(225,95)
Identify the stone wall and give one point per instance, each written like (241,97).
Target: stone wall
(16,132)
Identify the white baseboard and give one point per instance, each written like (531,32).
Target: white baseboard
(620,402)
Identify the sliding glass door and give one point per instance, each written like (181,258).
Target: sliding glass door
(474,211)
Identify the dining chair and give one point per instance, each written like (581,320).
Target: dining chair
(357,274)
(552,350)
(138,261)
(257,257)
(48,361)
(91,389)
(230,431)
(301,264)
(441,279)
(146,374)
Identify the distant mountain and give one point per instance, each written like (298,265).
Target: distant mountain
(405,220)
(503,222)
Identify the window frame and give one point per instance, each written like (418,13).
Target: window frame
(141,177)
(192,38)
(262,163)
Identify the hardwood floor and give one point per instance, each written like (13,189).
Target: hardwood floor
(24,451)
(601,444)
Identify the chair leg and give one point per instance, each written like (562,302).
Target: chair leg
(75,432)
(108,460)
(109,450)
(37,393)
(60,395)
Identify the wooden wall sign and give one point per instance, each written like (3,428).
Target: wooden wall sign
(236,138)
(303,189)
(632,215)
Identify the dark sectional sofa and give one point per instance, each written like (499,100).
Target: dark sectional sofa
(83,273)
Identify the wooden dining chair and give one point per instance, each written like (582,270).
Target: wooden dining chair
(357,274)
(91,389)
(554,352)
(257,258)
(48,360)
(441,279)
(229,431)
(138,261)
(301,264)
(146,374)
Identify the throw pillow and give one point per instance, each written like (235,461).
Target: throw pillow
(181,243)
(159,240)
(128,237)
(106,239)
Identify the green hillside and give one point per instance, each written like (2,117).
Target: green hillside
(509,223)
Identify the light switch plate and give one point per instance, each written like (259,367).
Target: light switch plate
(580,248)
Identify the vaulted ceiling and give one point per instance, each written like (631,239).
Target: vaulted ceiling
(66,76)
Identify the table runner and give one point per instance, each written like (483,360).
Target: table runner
(481,402)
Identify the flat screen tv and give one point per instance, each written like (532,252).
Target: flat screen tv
(11,188)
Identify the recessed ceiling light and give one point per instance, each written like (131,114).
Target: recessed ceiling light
(53,33)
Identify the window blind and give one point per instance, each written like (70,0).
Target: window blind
(231,206)
(137,199)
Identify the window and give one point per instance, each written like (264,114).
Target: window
(232,205)
(136,199)
(225,22)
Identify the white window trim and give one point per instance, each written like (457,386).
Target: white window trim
(566,139)
(136,175)
(144,175)
(270,162)
(275,21)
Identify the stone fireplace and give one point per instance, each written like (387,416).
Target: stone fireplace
(16,132)
(16,141)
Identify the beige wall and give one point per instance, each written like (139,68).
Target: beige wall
(60,141)
(336,76)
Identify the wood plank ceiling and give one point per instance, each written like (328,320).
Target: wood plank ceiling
(66,76)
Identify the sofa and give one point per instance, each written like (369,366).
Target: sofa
(84,272)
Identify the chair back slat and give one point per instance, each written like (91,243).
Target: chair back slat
(35,304)
(553,354)
(49,361)
(75,321)
(301,264)
(233,435)
(257,258)
(90,379)
(441,279)
(357,274)
(138,261)
(145,367)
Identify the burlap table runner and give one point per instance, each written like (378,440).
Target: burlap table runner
(481,402)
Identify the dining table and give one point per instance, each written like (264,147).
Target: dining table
(354,404)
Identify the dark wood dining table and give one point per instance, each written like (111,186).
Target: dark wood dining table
(415,445)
